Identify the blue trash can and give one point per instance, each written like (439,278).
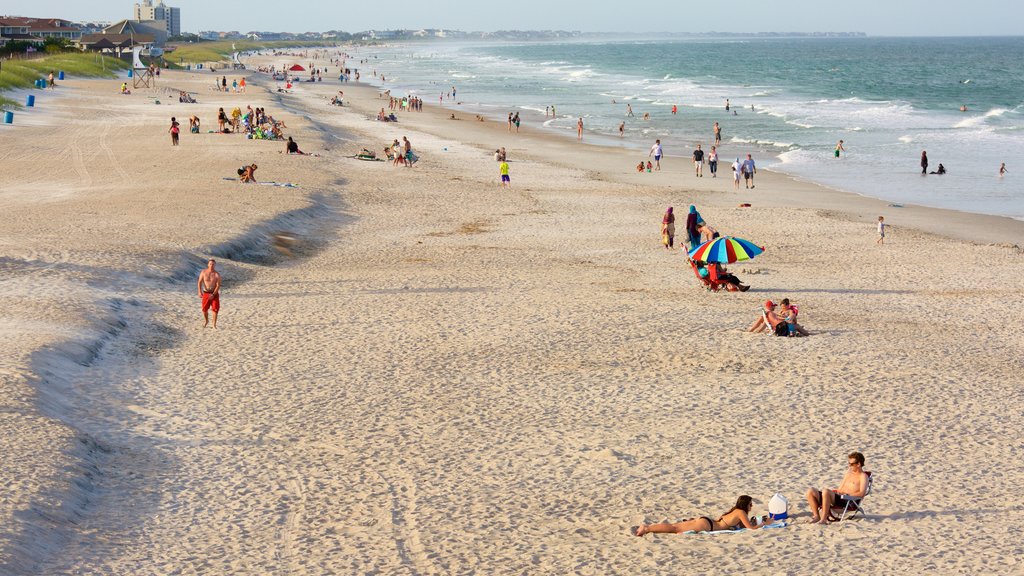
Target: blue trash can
(30,100)
(60,75)
(8,117)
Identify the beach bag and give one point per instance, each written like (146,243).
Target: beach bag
(664,239)
(778,507)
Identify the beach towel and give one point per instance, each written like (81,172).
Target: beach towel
(278,184)
(782,524)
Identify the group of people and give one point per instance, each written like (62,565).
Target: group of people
(405,103)
(781,323)
(236,85)
(821,502)
(400,153)
(697,230)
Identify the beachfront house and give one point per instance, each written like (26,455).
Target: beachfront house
(37,30)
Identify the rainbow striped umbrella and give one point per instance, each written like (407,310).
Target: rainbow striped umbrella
(725,250)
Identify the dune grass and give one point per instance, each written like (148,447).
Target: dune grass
(23,73)
(220,50)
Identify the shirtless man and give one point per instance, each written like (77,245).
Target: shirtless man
(209,290)
(855,483)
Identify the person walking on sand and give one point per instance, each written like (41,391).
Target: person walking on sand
(656,152)
(736,174)
(881,230)
(713,161)
(749,169)
(579,129)
(924,162)
(668,229)
(50,82)
(209,291)
(855,484)
(506,181)
(839,148)
(174,130)
(698,161)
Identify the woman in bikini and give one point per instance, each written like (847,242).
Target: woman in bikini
(731,520)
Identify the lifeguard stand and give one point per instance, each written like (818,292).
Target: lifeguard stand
(142,75)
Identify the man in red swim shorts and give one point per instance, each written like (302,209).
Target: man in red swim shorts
(209,291)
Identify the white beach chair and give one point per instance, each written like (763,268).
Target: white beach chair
(850,505)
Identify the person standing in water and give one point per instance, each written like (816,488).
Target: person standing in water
(726,104)
(1002,169)
(924,162)
(839,148)
(579,129)
(718,134)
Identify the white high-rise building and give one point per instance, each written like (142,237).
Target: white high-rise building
(168,16)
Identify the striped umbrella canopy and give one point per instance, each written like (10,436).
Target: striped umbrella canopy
(725,250)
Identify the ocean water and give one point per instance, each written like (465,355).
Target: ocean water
(791,101)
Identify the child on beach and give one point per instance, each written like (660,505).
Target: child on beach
(881,230)
(174,131)
(640,166)
(503,170)
(649,166)
(1002,168)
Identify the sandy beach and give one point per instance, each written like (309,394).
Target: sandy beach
(445,377)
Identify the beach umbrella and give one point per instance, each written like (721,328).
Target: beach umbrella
(297,68)
(725,250)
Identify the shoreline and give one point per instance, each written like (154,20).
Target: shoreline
(783,190)
(891,183)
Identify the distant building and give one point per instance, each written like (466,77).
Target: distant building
(38,29)
(159,15)
(146,30)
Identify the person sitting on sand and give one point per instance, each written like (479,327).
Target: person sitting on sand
(292,147)
(788,313)
(940,171)
(247,174)
(640,166)
(124,88)
(855,484)
(733,519)
(769,313)
(730,279)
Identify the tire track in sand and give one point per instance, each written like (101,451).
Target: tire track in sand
(292,520)
(406,533)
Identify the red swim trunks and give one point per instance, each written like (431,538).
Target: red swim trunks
(211,301)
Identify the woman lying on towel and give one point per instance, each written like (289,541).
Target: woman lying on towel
(735,518)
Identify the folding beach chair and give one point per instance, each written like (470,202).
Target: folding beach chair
(716,281)
(704,281)
(850,505)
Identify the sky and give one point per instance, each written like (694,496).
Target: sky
(874,17)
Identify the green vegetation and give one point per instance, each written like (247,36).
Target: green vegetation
(23,73)
(220,50)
